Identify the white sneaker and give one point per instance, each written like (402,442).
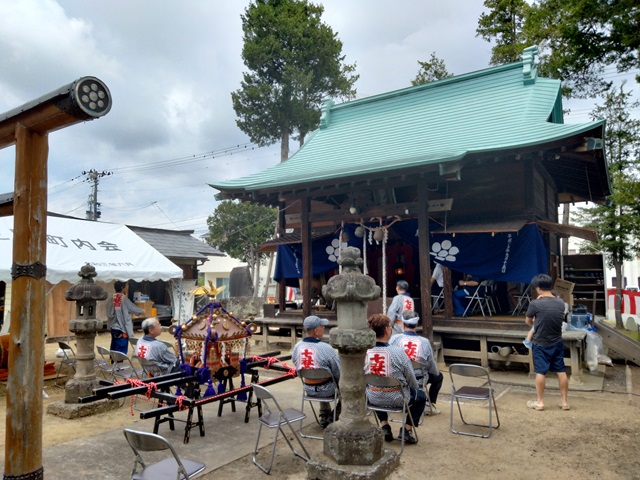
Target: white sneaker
(434,410)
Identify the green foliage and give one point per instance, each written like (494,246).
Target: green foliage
(618,222)
(239,228)
(294,61)
(579,38)
(504,22)
(431,70)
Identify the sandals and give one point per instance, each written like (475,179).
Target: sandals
(563,407)
(535,405)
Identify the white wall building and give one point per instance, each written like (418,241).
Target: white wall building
(218,270)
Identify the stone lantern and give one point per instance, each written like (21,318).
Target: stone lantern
(353,446)
(86,294)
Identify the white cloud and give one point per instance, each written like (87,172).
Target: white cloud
(171,67)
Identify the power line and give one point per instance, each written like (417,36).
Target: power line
(186,159)
(162,211)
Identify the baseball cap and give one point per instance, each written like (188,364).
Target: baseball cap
(313,321)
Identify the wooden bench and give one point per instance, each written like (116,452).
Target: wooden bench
(573,340)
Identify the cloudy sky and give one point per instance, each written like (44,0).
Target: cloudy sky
(170,67)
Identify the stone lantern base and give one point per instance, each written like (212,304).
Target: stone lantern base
(71,411)
(326,469)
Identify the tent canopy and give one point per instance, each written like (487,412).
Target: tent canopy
(115,251)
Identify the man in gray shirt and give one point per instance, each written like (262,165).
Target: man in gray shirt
(546,314)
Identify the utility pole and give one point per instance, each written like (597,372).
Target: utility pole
(93,211)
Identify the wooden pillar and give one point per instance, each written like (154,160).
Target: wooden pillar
(305,228)
(425,267)
(282,286)
(23,438)
(448,293)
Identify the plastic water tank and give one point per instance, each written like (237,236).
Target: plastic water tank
(580,318)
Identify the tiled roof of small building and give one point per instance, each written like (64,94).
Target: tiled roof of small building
(176,243)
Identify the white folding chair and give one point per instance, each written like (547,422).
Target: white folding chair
(423,379)
(314,377)
(149,368)
(390,384)
(170,468)
(68,360)
(103,363)
(523,302)
(478,300)
(276,417)
(123,368)
(480,391)
(437,301)
(133,341)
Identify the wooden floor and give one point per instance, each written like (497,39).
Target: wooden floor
(495,322)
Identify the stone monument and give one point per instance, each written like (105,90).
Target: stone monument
(86,294)
(353,446)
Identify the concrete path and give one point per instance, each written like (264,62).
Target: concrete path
(105,454)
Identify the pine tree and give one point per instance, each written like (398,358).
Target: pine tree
(294,61)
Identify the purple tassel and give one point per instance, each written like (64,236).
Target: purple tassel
(243,368)
(210,391)
(221,388)
(178,391)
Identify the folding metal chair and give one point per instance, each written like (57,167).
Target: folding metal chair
(423,379)
(133,341)
(170,468)
(276,417)
(479,300)
(390,384)
(68,361)
(123,368)
(149,368)
(437,301)
(103,363)
(317,376)
(480,391)
(523,302)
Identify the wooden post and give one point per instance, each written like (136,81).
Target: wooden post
(425,267)
(27,127)
(282,286)
(23,438)
(305,228)
(448,294)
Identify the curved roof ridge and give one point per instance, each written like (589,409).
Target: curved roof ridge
(429,85)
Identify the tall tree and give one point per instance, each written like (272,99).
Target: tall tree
(431,70)
(239,228)
(504,23)
(294,60)
(580,38)
(577,38)
(618,221)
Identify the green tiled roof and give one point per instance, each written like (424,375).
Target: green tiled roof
(498,108)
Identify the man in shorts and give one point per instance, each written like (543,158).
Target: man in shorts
(546,314)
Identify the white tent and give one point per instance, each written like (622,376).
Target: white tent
(116,252)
